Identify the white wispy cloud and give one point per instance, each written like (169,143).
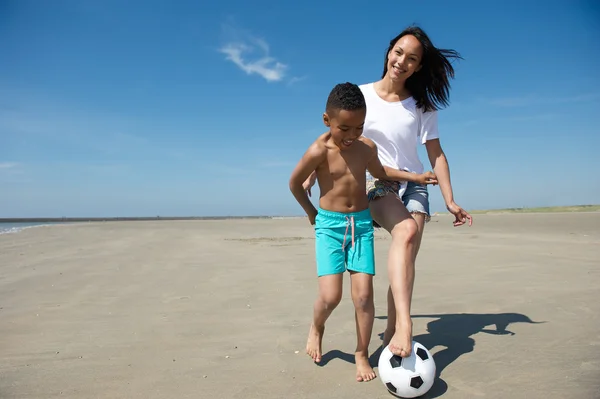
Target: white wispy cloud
(296,79)
(252,55)
(12,172)
(8,165)
(528,100)
(277,164)
(50,122)
(543,117)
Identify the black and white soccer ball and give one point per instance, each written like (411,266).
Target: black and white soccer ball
(407,377)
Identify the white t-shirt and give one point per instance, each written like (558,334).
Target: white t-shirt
(397,128)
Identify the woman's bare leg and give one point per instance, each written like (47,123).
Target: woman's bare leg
(391,314)
(391,214)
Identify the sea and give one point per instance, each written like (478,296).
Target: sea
(12,228)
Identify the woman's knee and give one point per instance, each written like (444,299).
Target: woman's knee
(391,214)
(405,231)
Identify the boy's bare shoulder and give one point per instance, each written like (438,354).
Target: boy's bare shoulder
(370,145)
(319,147)
(323,139)
(368,142)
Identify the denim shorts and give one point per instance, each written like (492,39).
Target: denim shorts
(415,197)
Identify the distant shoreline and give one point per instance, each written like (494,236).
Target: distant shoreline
(550,209)
(128,219)
(546,209)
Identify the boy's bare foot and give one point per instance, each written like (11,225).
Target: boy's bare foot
(364,371)
(401,342)
(313,345)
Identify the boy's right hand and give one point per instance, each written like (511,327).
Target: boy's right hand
(308,183)
(427,178)
(312,219)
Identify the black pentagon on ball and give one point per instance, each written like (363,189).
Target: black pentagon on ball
(390,387)
(416,382)
(422,353)
(396,361)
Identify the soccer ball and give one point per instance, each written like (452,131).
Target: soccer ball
(407,377)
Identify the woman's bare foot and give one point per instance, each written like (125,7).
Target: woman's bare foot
(313,345)
(387,337)
(364,371)
(401,341)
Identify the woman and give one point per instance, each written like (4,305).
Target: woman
(402,113)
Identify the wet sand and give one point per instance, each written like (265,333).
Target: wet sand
(221,309)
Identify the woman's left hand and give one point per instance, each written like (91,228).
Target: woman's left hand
(461,216)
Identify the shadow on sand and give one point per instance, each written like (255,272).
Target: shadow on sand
(452,331)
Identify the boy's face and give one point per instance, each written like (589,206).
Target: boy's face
(345,126)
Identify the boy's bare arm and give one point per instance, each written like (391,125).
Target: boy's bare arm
(402,175)
(378,171)
(309,162)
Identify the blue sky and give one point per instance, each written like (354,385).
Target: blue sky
(111,108)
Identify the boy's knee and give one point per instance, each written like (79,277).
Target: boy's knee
(331,300)
(363,301)
(406,231)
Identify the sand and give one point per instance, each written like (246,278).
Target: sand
(220,309)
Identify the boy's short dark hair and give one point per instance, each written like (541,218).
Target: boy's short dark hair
(345,96)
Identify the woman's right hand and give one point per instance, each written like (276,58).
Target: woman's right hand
(427,178)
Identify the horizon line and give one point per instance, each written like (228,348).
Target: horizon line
(225,217)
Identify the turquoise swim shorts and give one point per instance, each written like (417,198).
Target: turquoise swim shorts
(344,241)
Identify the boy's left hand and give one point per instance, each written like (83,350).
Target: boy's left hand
(427,178)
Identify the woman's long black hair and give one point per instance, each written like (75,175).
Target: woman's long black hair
(430,86)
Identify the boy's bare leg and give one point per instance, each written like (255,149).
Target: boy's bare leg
(330,294)
(362,296)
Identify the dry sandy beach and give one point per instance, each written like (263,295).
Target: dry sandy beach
(220,309)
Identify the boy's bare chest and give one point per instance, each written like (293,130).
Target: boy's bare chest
(349,163)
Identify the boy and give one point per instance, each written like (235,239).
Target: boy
(343,223)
